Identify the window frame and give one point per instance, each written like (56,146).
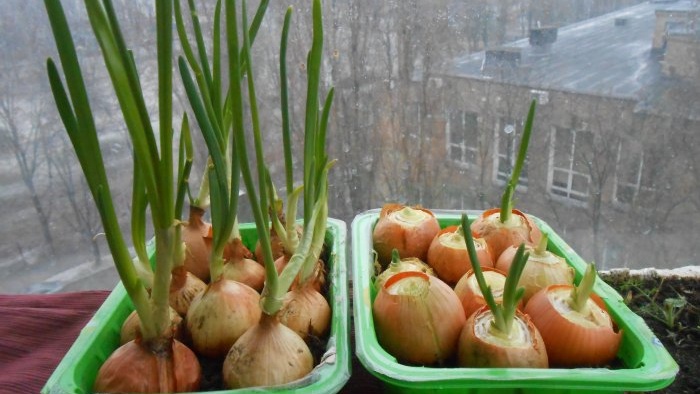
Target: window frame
(567,193)
(462,146)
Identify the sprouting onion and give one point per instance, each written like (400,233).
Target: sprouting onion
(505,226)
(591,339)
(227,308)
(155,362)
(498,335)
(270,353)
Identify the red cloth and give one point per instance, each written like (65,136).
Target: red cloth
(36,331)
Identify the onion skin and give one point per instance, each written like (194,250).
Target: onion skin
(470,295)
(407,264)
(452,263)
(134,368)
(420,328)
(568,343)
(220,315)
(131,328)
(268,354)
(539,272)
(195,235)
(474,351)
(241,267)
(317,278)
(411,240)
(500,236)
(306,312)
(184,287)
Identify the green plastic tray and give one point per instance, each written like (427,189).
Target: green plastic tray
(646,363)
(77,370)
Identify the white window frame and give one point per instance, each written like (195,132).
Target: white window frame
(463,146)
(499,177)
(636,185)
(566,193)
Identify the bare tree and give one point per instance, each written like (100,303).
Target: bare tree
(23,132)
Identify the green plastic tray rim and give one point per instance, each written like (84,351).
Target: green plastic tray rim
(649,365)
(76,372)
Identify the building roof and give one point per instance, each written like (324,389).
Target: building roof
(609,55)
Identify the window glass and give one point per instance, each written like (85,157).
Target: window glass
(425,94)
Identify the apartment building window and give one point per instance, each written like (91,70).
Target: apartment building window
(507,141)
(630,173)
(568,177)
(462,137)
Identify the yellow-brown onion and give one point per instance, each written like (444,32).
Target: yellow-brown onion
(184,287)
(240,266)
(131,328)
(480,347)
(306,311)
(573,339)
(137,368)
(448,255)
(469,294)
(410,230)
(417,318)
(542,270)
(407,264)
(195,235)
(220,315)
(268,354)
(519,229)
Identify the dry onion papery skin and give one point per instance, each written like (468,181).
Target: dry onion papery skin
(184,287)
(246,271)
(317,279)
(499,236)
(418,318)
(410,230)
(306,311)
(240,266)
(268,354)
(132,368)
(570,343)
(448,255)
(195,235)
(220,315)
(541,270)
(479,347)
(402,265)
(469,294)
(131,328)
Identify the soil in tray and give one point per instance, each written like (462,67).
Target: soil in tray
(671,308)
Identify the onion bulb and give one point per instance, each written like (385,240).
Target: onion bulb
(220,315)
(448,255)
(543,268)
(137,368)
(268,354)
(401,265)
(131,328)
(573,338)
(480,345)
(317,278)
(469,293)
(518,229)
(410,230)
(195,235)
(241,267)
(306,311)
(184,287)
(417,318)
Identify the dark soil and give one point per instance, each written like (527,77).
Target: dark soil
(671,308)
